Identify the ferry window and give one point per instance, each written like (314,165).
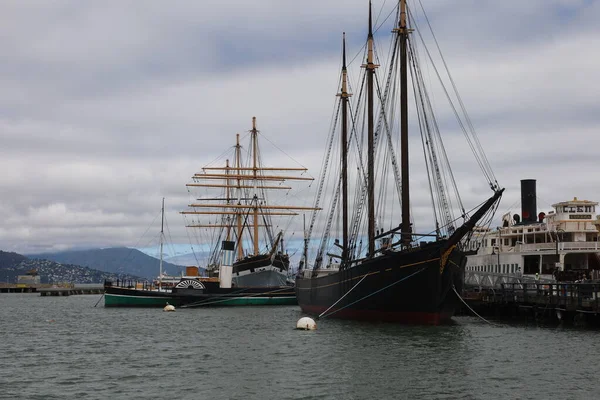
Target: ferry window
(566,209)
(579,209)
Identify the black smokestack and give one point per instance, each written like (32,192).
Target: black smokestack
(528,200)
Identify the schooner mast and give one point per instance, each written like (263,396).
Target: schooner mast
(370,67)
(403,31)
(344,146)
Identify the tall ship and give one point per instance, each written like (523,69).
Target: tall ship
(238,205)
(248,262)
(402,272)
(561,244)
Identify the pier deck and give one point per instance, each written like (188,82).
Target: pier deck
(71,291)
(576,303)
(51,290)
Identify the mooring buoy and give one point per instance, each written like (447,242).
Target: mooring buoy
(306,323)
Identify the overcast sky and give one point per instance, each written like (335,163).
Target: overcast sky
(108,106)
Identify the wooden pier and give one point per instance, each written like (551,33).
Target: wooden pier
(71,291)
(575,304)
(52,290)
(17,289)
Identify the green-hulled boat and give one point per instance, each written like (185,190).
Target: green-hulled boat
(196,292)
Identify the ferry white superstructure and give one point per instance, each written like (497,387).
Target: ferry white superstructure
(562,244)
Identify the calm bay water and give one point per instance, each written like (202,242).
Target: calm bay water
(64,347)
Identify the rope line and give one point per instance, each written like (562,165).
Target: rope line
(208,302)
(473,311)
(340,299)
(101,297)
(377,291)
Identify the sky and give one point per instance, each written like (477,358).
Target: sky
(106,107)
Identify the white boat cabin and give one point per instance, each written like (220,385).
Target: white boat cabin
(565,239)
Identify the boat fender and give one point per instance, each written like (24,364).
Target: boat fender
(169,307)
(306,323)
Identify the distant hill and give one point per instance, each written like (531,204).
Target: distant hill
(119,260)
(12,265)
(8,260)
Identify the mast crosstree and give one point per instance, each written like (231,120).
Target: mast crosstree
(243,209)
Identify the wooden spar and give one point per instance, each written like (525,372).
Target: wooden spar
(241,205)
(254,173)
(239,217)
(236,186)
(162,223)
(258,168)
(229,213)
(252,206)
(228,198)
(220,199)
(216,226)
(404,165)
(252,178)
(305,252)
(370,70)
(344,150)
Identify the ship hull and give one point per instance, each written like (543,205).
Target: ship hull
(266,276)
(407,287)
(134,298)
(209,294)
(263,270)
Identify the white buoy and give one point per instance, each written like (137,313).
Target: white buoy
(306,323)
(169,307)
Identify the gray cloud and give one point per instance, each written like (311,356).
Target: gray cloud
(106,107)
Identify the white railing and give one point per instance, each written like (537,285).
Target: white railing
(495,280)
(562,246)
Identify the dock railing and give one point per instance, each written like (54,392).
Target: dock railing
(583,297)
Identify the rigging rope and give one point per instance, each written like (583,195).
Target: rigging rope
(340,299)
(473,311)
(208,302)
(470,134)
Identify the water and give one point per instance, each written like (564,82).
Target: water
(65,348)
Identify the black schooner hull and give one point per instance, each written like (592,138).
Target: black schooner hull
(414,286)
